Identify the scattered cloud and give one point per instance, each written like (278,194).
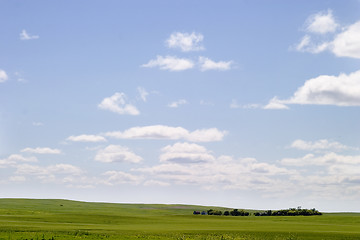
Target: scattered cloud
(185,42)
(117,153)
(327,159)
(39,150)
(156,183)
(20,78)
(118,177)
(185,153)
(322,23)
(3,76)
(234,104)
(176,104)
(209,172)
(170,63)
(208,64)
(341,90)
(15,159)
(143,93)
(26,36)
(166,132)
(306,45)
(320,145)
(86,138)
(47,173)
(322,35)
(117,104)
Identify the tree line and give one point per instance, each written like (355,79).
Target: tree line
(284,212)
(289,212)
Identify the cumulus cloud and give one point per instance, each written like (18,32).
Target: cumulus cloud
(166,132)
(176,104)
(185,153)
(3,76)
(39,150)
(343,44)
(347,44)
(170,63)
(320,145)
(208,64)
(185,42)
(209,172)
(322,23)
(143,93)
(118,177)
(86,138)
(117,153)
(117,104)
(15,159)
(26,36)
(341,90)
(52,173)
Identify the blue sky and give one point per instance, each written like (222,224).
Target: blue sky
(247,104)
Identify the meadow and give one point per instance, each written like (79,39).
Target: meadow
(64,219)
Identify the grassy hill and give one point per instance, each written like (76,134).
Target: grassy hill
(64,219)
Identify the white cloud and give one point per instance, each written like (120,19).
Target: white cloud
(15,159)
(306,45)
(342,90)
(208,64)
(117,153)
(322,144)
(143,93)
(64,169)
(166,132)
(118,177)
(170,63)
(48,173)
(275,103)
(234,104)
(327,159)
(86,138)
(185,153)
(156,183)
(25,36)
(322,23)
(223,172)
(177,103)
(117,103)
(3,76)
(39,150)
(185,42)
(347,44)
(343,44)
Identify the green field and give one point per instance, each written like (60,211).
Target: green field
(63,219)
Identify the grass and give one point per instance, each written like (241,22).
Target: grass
(64,219)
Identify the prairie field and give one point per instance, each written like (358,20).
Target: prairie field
(64,219)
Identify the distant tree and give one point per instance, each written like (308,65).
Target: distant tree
(226,213)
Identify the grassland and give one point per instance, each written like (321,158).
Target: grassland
(63,219)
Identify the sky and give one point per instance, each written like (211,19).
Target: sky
(244,104)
